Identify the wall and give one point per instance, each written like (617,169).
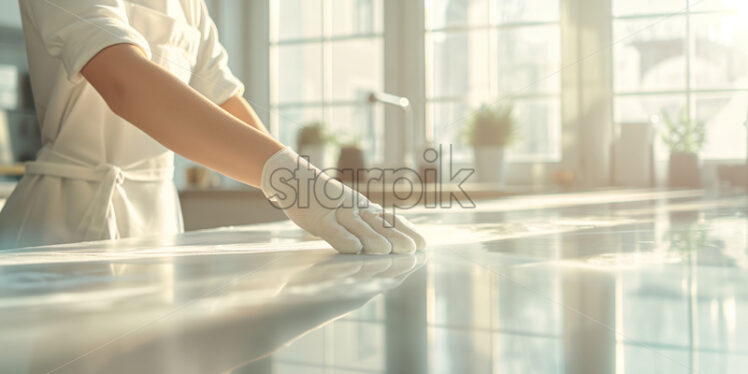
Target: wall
(18,124)
(12,48)
(9,14)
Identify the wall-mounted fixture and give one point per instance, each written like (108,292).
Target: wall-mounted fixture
(403,104)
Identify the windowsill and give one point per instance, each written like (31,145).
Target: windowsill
(726,161)
(444,191)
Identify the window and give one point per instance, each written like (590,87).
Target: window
(672,55)
(495,52)
(325,58)
(684,56)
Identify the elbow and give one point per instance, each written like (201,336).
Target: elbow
(117,96)
(111,73)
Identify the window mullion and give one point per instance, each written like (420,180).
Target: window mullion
(325,56)
(404,24)
(688,50)
(587,89)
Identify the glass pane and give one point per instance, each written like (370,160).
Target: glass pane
(710,5)
(291,120)
(361,123)
(538,130)
(629,7)
(352,17)
(724,116)
(528,60)
(459,64)
(649,57)
(720,51)
(447,120)
(449,13)
(298,73)
(295,19)
(509,11)
(356,68)
(641,109)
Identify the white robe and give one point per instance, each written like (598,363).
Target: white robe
(98,176)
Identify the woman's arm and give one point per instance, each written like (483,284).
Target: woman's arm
(240,108)
(183,120)
(179,117)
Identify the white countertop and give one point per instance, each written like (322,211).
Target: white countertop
(579,283)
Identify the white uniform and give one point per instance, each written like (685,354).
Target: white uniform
(98,176)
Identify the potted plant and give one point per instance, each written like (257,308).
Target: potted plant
(489,131)
(685,138)
(312,141)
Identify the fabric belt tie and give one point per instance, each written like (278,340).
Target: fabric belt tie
(100,213)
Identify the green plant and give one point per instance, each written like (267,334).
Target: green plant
(348,140)
(313,134)
(684,135)
(491,126)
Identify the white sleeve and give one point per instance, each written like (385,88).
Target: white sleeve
(212,76)
(76,30)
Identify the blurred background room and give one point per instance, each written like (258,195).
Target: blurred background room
(538,96)
(608,140)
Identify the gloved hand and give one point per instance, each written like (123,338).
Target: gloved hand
(333,211)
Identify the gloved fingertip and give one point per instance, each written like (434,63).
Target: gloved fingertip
(378,250)
(407,228)
(342,240)
(419,240)
(349,247)
(403,245)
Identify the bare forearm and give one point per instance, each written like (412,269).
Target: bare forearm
(177,116)
(240,108)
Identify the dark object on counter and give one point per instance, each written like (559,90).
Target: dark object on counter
(564,179)
(202,178)
(351,160)
(683,170)
(734,175)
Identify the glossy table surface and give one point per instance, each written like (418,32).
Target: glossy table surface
(603,282)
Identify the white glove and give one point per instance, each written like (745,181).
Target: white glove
(333,211)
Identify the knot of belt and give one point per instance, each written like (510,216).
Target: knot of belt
(100,213)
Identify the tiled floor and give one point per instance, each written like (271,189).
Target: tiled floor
(609,282)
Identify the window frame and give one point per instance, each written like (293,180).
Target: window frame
(688,92)
(587,91)
(404,44)
(326,105)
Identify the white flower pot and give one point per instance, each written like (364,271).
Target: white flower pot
(489,164)
(317,154)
